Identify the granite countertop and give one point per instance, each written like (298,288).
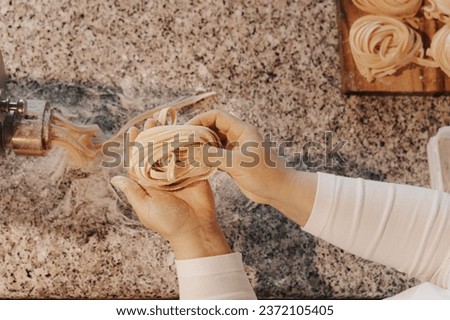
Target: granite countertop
(65,233)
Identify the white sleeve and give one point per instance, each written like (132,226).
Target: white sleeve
(214,278)
(400,226)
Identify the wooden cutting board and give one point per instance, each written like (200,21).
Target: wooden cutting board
(411,79)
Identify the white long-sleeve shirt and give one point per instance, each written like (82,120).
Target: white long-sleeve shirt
(400,226)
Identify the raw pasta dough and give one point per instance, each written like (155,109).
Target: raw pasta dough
(77,140)
(163,156)
(165,160)
(437,9)
(395,8)
(440,49)
(382,45)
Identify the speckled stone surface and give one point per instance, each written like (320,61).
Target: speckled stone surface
(64,232)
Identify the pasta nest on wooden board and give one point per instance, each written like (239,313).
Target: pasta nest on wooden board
(440,49)
(382,45)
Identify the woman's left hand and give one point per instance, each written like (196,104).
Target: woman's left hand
(186,217)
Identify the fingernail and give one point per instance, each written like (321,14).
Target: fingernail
(118,182)
(116,186)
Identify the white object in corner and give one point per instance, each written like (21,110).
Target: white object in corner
(438,151)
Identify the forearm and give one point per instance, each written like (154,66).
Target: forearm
(404,227)
(296,195)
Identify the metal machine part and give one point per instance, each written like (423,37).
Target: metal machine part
(24,125)
(31,136)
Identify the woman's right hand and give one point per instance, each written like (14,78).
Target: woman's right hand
(253,163)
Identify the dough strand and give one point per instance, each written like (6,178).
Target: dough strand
(78,140)
(437,9)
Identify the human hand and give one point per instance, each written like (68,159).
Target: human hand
(255,166)
(186,217)
(244,157)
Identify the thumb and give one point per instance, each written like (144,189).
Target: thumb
(133,191)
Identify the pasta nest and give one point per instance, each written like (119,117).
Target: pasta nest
(395,8)
(162,155)
(382,45)
(439,49)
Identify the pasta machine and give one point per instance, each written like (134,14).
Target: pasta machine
(24,125)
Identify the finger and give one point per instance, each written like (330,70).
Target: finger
(132,133)
(135,194)
(222,122)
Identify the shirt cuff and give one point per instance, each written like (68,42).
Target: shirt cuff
(217,277)
(210,265)
(323,203)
